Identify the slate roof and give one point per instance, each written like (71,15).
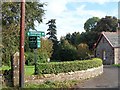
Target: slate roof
(113,38)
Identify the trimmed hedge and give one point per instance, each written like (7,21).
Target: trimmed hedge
(64,67)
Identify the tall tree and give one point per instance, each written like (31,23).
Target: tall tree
(11,14)
(108,23)
(96,26)
(90,24)
(52,30)
(52,36)
(67,51)
(11,23)
(73,38)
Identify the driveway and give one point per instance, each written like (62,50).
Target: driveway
(109,79)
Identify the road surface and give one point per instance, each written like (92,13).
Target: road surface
(109,79)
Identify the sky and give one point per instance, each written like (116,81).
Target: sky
(71,15)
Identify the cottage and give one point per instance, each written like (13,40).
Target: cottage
(108,48)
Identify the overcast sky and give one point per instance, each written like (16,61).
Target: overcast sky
(71,15)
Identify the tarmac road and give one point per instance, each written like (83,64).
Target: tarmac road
(109,79)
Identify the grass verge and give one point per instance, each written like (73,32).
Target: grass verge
(55,84)
(117,65)
(29,70)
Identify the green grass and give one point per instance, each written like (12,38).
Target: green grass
(56,84)
(5,68)
(29,70)
(117,65)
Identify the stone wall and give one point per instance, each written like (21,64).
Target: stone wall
(117,55)
(77,75)
(105,46)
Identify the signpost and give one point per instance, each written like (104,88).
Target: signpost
(34,39)
(34,43)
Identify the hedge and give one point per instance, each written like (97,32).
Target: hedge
(64,67)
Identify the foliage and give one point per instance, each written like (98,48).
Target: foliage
(52,36)
(117,65)
(41,57)
(46,46)
(11,26)
(11,13)
(83,51)
(67,51)
(108,23)
(42,54)
(55,84)
(73,38)
(10,38)
(52,30)
(64,67)
(29,58)
(5,68)
(29,70)
(90,24)
(90,38)
(94,26)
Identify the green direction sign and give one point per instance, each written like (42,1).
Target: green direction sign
(33,42)
(34,38)
(36,33)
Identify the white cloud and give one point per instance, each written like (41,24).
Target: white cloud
(67,20)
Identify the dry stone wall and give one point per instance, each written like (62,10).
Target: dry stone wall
(77,75)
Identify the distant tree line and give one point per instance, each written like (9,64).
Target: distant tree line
(79,46)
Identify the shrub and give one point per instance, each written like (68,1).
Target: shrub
(67,52)
(30,58)
(83,51)
(64,67)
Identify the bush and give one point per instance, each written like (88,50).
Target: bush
(67,52)
(30,58)
(83,51)
(42,58)
(64,67)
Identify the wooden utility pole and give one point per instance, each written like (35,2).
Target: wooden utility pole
(22,29)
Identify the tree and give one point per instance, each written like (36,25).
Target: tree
(90,38)
(46,46)
(11,25)
(73,38)
(67,52)
(52,30)
(94,27)
(11,14)
(43,53)
(10,38)
(108,23)
(52,36)
(90,24)
(83,51)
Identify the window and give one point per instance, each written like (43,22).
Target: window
(104,55)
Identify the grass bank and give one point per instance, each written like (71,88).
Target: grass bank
(56,84)
(117,65)
(29,70)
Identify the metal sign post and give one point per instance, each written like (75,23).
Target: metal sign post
(34,43)
(35,60)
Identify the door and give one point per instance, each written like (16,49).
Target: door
(104,57)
